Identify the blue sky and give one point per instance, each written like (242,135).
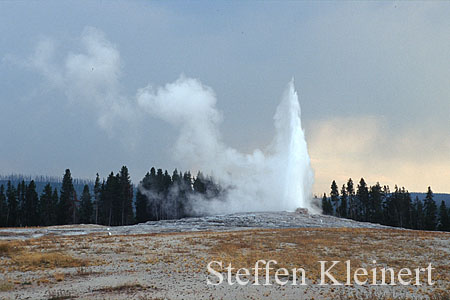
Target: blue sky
(373,81)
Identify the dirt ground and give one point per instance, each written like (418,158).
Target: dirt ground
(174,265)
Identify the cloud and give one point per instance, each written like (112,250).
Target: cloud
(365,146)
(89,77)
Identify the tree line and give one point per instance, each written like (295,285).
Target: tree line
(378,204)
(161,196)
(110,202)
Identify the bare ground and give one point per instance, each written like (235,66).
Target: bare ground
(98,264)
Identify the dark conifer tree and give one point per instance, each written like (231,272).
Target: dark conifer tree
(54,205)
(406,209)
(430,211)
(343,206)
(334,197)
(362,201)
(97,189)
(199,184)
(86,208)
(66,200)
(375,204)
(444,222)
(418,215)
(21,209)
(185,194)
(103,208)
(47,207)
(351,199)
(142,209)
(126,197)
(392,206)
(112,189)
(176,191)
(12,218)
(153,195)
(327,208)
(31,205)
(3,207)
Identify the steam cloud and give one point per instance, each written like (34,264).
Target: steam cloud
(278,177)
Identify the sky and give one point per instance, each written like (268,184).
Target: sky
(373,79)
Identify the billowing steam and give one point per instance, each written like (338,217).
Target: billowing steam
(277,178)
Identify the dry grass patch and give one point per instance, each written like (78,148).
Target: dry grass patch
(7,248)
(25,256)
(6,286)
(51,260)
(123,288)
(304,247)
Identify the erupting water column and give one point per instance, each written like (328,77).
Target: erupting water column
(291,144)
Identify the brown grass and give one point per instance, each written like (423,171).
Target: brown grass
(304,247)
(24,257)
(189,253)
(51,260)
(123,288)
(373,295)
(58,277)
(8,248)
(6,286)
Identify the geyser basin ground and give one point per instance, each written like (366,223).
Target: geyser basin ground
(151,261)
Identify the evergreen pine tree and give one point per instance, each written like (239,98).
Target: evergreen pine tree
(444,222)
(66,200)
(430,211)
(142,203)
(392,215)
(86,209)
(186,191)
(96,197)
(326,205)
(126,197)
(375,204)
(199,185)
(406,209)
(177,194)
(31,205)
(343,207)
(12,218)
(362,201)
(46,208)
(351,199)
(419,214)
(54,207)
(103,205)
(334,197)
(111,201)
(152,194)
(3,207)
(21,207)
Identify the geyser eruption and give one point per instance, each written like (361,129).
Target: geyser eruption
(293,151)
(276,178)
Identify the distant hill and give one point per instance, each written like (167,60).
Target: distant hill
(41,181)
(438,197)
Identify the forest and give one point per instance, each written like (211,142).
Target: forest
(110,202)
(160,196)
(378,204)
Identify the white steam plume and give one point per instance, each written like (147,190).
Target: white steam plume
(90,76)
(278,178)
